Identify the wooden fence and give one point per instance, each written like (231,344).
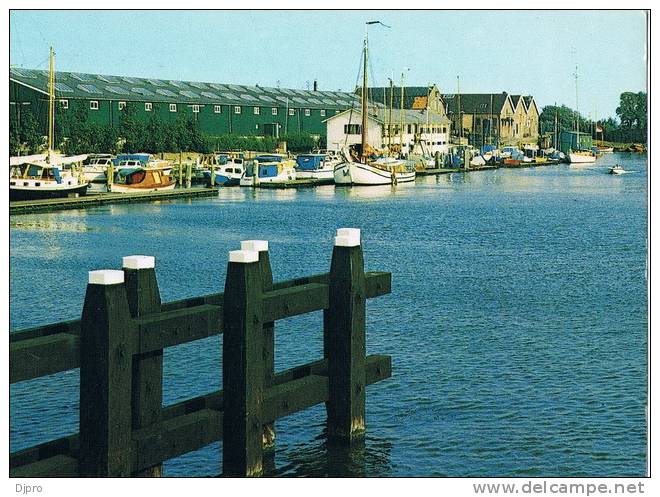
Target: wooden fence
(118,345)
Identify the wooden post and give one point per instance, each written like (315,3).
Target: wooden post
(188,175)
(105,377)
(180,170)
(110,176)
(344,339)
(243,366)
(147,389)
(261,247)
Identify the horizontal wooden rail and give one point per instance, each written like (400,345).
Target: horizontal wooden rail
(194,423)
(54,348)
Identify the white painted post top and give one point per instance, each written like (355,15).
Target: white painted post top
(347,237)
(106,277)
(255,245)
(243,256)
(138,262)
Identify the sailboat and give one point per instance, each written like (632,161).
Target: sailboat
(44,176)
(579,156)
(360,164)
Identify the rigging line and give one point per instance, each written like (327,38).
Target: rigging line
(350,114)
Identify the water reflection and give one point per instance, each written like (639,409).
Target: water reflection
(323,458)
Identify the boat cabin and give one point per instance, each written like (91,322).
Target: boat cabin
(310,162)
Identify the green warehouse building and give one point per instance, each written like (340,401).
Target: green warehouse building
(219,108)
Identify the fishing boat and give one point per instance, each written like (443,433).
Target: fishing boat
(272,168)
(40,180)
(617,169)
(46,175)
(361,164)
(226,170)
(319,167)
(142,180)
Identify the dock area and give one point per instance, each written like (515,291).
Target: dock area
(96,199)
(437,171)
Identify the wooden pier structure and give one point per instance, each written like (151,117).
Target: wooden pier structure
(96,199)
(118,345)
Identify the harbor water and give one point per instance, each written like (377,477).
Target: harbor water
(517,322)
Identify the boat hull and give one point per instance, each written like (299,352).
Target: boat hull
(355,173)
(17,193)
(581,159)
(118,188)
(321,175)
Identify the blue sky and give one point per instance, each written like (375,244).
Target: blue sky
(528,52)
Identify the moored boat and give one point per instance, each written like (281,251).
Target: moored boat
(315,166)
(35,180)
(142,180)
(581,157)
(272,168)
(360,164)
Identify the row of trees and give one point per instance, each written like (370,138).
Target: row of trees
(74,134)
(631,125)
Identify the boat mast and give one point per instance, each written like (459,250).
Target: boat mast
(364,103)
(389,116)
(401,118)
(51,102)
(458,102)
(556,138)
(577,110)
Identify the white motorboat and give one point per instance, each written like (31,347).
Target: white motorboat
(617,169)
(318,167)
(271,168)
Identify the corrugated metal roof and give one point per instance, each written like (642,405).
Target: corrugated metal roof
(108,87)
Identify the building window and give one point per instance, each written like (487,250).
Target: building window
(121,105)
(409,128)
(352,129)
(273,111)
(172,107)
(195,109)
(93,105)
(307,112)
(292,112)
(323,112)
(256,111)
(217,109)
(237,109)
(148,106)
(64,104)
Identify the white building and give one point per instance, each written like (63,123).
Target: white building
(430,129)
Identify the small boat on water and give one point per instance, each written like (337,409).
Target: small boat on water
(47,175)
(581,157)
(271,168)
(319,167)
(142,180)
(40,180)
(95,168)
(227,170)
(617,169)
(605,150)
(130,161)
